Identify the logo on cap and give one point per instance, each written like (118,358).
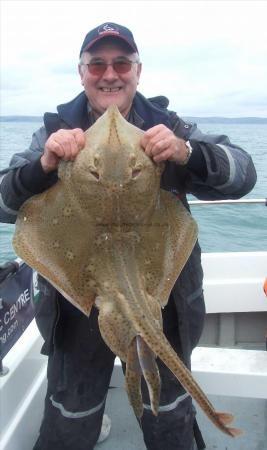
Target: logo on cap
(108,29)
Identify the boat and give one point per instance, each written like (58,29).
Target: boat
(230,362)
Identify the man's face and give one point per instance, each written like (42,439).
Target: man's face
(110,87)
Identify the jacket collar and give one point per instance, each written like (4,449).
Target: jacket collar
(74,113)
(150,112)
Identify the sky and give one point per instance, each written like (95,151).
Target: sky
(208,57)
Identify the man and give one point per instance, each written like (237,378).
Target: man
(208,166)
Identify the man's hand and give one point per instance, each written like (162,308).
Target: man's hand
(161,144)
(64,144)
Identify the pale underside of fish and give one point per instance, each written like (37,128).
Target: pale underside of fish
(106,235)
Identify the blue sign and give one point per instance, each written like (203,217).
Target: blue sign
(17,294)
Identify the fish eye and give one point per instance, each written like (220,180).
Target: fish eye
(94,172)
(135,173)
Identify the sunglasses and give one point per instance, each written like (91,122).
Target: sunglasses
(120,66)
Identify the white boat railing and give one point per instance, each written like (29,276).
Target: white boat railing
(247,201)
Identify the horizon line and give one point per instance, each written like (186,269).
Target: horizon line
(181,115)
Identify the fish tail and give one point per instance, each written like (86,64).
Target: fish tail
(225,418)
(160,346)
(235,432)
(147,327)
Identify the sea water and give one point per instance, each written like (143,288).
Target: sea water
(222,228)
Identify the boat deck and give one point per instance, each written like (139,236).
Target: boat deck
(250,416)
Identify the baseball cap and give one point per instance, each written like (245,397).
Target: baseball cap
(108,29)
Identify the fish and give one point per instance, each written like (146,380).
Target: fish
(107,236)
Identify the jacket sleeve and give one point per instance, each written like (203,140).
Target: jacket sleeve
(23,178)
(217,168)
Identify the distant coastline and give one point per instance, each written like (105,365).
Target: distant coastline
(213,119)
(21,118)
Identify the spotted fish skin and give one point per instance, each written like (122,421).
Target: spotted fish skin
(106,235)
(150,332)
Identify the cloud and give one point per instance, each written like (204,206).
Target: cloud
(207,57)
